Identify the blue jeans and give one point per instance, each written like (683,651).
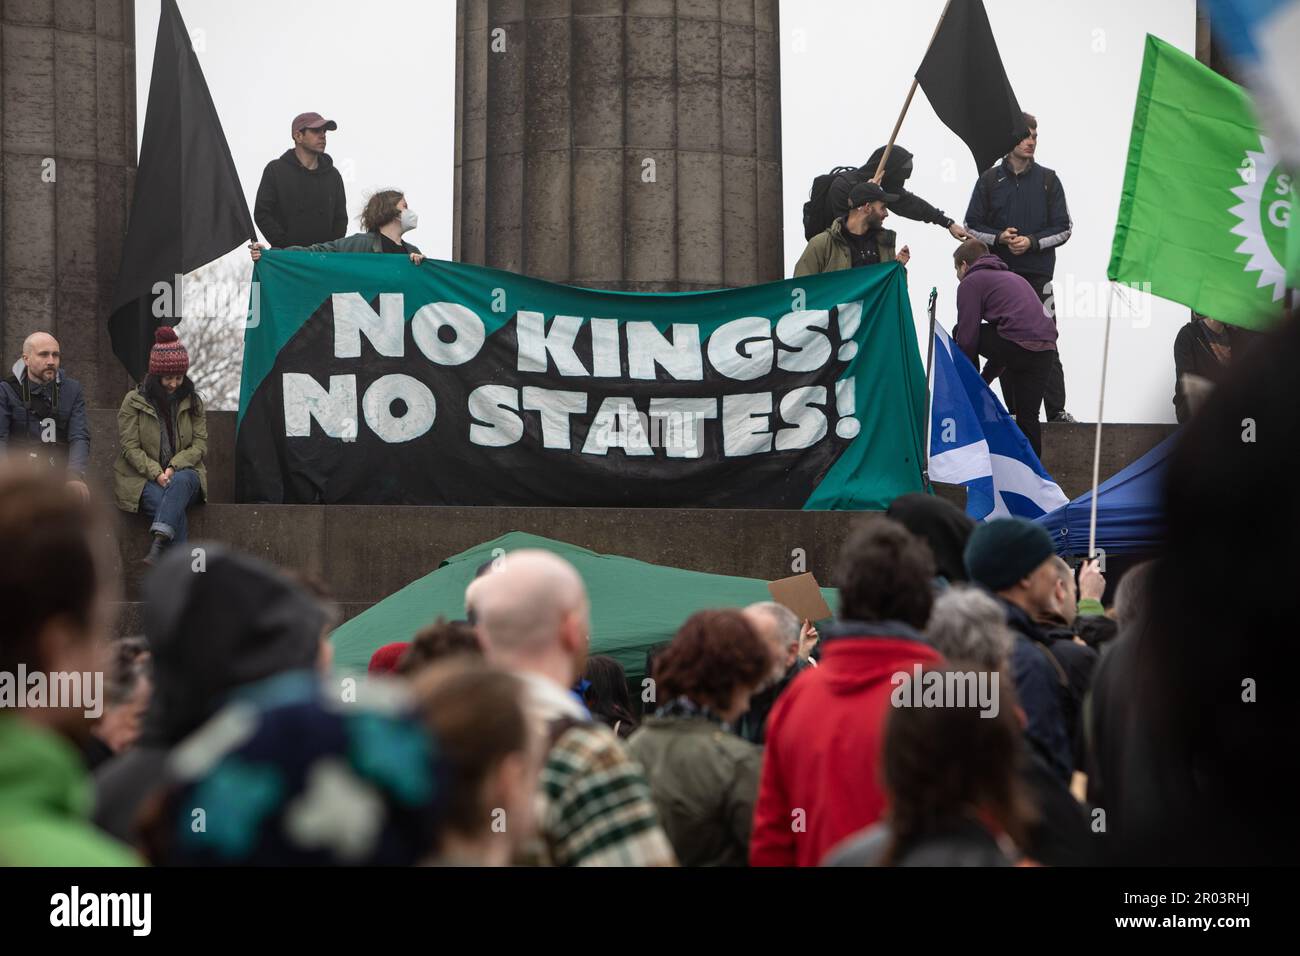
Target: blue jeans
(167,505)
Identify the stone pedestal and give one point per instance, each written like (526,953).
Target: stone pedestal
(620,144)
(67,164)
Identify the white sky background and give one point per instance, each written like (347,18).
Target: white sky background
(385,71)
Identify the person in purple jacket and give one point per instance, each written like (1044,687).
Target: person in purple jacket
(1000,316)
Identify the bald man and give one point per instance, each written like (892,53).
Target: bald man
(1074,660)
(533,618)
(43,413)
(782,630)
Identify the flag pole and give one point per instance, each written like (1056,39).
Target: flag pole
(1101,405)
(929,389)
(889,147)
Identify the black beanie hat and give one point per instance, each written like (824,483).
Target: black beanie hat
(1003,551)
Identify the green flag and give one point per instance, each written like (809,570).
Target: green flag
(1206,205)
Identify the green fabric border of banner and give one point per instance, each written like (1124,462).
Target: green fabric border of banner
(291,285)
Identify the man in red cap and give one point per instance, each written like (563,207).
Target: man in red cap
(300,200)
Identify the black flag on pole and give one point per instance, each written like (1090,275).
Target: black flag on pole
(188,207)
(963,78)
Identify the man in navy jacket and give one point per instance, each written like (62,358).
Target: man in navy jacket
(1012,558)
(43,412)
(1018,210)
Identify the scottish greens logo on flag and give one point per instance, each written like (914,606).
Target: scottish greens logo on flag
(974,442)
(1207,205)
(1263,37)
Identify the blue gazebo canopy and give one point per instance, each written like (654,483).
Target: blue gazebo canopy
(1130,510)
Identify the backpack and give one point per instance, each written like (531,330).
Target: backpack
(815,219)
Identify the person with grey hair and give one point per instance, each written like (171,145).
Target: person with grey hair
(967,625)
(782,630)
(127,689)
(1131,597)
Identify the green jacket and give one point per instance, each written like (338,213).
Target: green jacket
(704,782)
(139,432)
(45,801)
(357,242)
(829,252)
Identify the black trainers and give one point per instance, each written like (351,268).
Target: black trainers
(155,550)
(1064,418)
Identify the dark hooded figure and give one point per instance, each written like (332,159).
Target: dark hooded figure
(1188,744)
(897,171)
(210,631)
(941,525)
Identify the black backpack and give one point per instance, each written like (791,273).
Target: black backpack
(815,217)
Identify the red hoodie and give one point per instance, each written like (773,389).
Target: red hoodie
(820,777)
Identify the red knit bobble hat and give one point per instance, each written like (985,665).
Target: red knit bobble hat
(168,356)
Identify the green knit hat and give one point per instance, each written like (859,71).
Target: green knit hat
(1001,552)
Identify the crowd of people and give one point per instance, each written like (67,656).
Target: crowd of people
(1016,220)
(973,703)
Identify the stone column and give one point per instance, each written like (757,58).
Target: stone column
(621,144)
(67,165)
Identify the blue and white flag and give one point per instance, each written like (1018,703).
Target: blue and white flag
(974,442)
(1263,39)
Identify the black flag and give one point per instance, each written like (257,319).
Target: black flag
(188,207)
(963,78)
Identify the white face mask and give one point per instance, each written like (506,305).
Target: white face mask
(409,220)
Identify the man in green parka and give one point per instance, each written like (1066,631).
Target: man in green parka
(856,237)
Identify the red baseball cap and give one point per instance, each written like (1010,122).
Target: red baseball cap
(311,120)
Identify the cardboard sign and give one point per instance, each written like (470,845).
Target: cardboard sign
(801,595)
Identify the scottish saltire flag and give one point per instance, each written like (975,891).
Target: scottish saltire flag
(974,442)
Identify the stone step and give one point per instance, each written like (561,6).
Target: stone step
(1067,451)
(365,553)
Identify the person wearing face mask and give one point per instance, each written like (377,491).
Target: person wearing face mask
(856,237)
(385,221)
(898,169)
(163,430)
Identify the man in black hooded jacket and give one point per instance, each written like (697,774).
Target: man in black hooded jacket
(300,200)
(897,171)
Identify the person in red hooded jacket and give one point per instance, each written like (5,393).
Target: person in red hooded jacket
(820,780)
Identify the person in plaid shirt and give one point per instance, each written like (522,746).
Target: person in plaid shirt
(595,809)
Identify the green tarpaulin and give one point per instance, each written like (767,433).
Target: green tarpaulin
(634,605)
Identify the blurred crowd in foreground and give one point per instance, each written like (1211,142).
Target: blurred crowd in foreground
(972,704)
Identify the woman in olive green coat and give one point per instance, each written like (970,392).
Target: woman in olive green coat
(703,778)
(163,432)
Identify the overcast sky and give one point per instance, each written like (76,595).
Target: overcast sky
(385,70)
